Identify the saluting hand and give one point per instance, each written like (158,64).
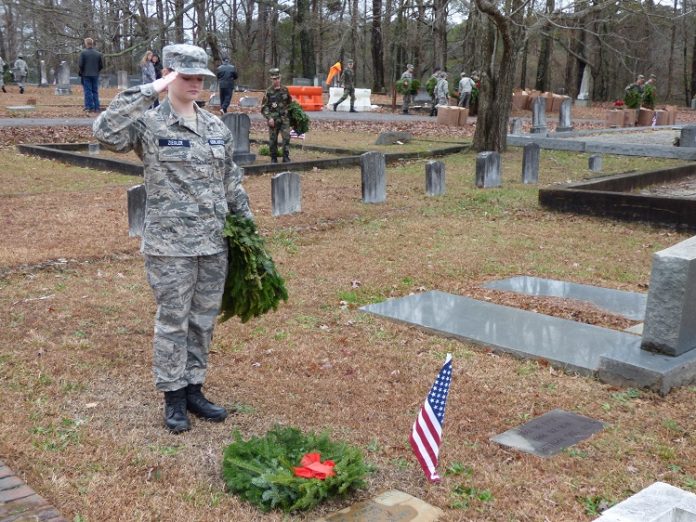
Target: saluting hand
(161,84)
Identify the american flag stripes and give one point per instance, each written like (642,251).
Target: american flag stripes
(426,435)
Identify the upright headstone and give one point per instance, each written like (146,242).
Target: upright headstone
(248,102)
(688,136)
(584,94)
(595,163)
(670,312)
(373,168)
(286,193)
(307,82)
(488,169)
(43,81)
(530,163)
(516,126)
(565,120)
(240,125)
(51,76)
(539,115)
(122,79)
(137,198)
(435,178)
(63,79)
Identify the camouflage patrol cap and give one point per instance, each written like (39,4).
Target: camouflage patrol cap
(349,62)
(275,73)
(186,59)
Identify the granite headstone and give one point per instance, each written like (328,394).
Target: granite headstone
(240,125)
(435,178)
(373,174)
(539,115)
(565,120)
(488,169)
(286,193)
(530,163)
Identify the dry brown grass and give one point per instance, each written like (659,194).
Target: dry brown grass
(82,421)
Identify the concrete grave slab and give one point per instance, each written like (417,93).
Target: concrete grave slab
(389,506)
(614,357)
(659,502)
(628,304)
(550,433)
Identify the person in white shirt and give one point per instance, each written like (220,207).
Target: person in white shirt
(466,84)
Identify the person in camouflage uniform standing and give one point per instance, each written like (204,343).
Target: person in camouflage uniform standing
(20,71)
(191,184)
(407,76)
(2,75)
(348,83)
(275,109)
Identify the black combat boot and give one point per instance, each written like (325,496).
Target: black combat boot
(274,159)
(286,157)
(335,105)
(3,89)
(199,405)
(352,109)
(175,417)
(21,90)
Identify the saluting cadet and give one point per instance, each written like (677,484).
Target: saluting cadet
(191,184)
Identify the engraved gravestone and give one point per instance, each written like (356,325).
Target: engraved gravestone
(286,193)
(393,138)
(122,79)
(63,79)
(488,169)
(549,434)
(530,163)
(516,126)
(240,125)
(248,102)
(565,121)
(434,178)
(137,198)
(43,82)
(539,115)
(373,175)
(670,314)
(688,136)
(595,163)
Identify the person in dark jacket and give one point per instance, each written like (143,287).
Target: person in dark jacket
(90,65)
(226,74)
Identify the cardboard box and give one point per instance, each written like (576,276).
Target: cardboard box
(463,117)
(615,118)
(629,117)
(645,117)
(661,117)
(672,111)
(448,115)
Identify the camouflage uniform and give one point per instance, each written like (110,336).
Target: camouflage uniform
(442,90)
(275,107)
(348,82)
(20,72)
(191,184)
(2,75)
(407,75)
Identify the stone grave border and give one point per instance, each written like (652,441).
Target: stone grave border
(613,197)
(67,152)
(573,142)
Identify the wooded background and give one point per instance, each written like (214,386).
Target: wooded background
(542,44)
(551,42)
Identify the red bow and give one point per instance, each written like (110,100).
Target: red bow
(312,467)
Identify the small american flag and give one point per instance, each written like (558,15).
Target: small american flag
(293,134)
(426,435)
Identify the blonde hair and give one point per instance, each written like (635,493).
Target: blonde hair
(89,42)
(146,57)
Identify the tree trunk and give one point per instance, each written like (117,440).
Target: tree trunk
(440,33)
(543,76)
(377,48)
(303,20)
(497,80)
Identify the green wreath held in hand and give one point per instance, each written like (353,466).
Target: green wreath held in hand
(299,121)
(253,285)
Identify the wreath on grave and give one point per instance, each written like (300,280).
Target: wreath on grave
(299,121)
(405,86)
(291,471)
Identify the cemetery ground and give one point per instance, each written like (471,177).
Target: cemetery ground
(81,420)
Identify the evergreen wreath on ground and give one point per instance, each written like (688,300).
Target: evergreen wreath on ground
(253,285)
(299,121)
(261,469)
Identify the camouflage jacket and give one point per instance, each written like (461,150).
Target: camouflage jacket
(275,103)
(348,78)
(190,179)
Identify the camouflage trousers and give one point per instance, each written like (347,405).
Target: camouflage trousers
(188,291)
(348,91)
(406,102)
(281,127)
